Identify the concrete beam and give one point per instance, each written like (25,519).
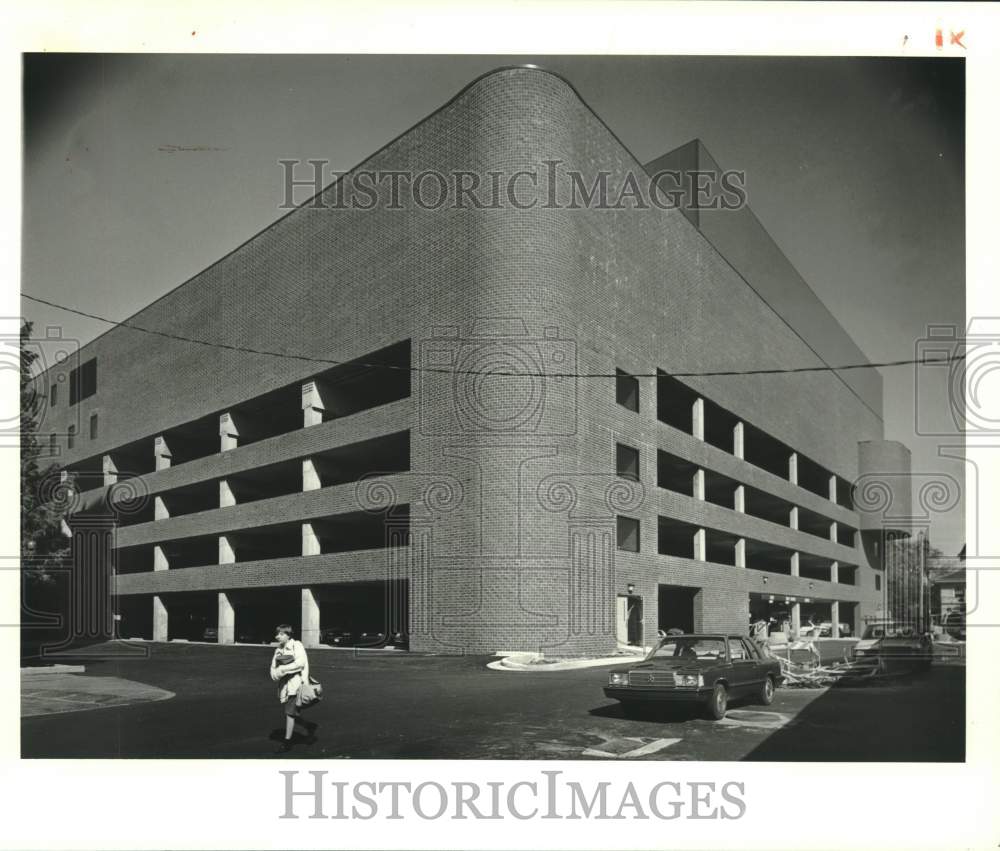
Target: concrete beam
(227,620)
(310,618)
(160,619)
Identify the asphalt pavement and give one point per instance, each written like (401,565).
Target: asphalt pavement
(396,705)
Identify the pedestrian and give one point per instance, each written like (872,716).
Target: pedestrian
(289,669)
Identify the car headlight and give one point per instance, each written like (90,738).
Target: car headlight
(618,678)
(688,680)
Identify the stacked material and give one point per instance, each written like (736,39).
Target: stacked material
(801,667)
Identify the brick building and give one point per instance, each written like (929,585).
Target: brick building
(488,435)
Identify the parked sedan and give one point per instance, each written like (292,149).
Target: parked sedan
(704,670)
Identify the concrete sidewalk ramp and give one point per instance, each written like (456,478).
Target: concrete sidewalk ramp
(55,693)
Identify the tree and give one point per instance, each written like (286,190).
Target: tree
(43,544)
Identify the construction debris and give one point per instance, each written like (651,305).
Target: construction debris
(811,673)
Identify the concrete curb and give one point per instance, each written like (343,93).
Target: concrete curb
(53,669)
(528,663)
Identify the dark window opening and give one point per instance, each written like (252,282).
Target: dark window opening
(674,402)
(93,426)
(878,582)
(628,534)
(52,445)
(53,395)
(71,437)
(627,390)
(627,462)
(83,381)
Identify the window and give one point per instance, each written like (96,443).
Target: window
(627,462)
(628,534)
(83,381)
(878,582)
(626,390)
(93,426)
(52,445)
(751,649)
(53,395)
(71,437)
(736,651)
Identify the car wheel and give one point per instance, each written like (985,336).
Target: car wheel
(767,692)
(718,702)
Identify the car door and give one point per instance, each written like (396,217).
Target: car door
(742,667)
(757,668)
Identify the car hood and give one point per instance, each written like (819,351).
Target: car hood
(676,665)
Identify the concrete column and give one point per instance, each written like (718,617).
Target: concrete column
(160,510)
(310,618)
(833,531)
(833,488)
(699,545)
(310,476)
(795,564)
(738,440)
(226,495)
(793,517)
(110,470)
(793,468)
(698,484)
(228,434)
(310,543)
(741,552)
(739,499)
(160,560)
(796,620)
(227,553)
(835,572)
(161,452)
(160,619)
(227,620)
(312,404)
(835,618)
(698,418)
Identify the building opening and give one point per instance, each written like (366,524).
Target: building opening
(364,614)
(628,620)
(676,607)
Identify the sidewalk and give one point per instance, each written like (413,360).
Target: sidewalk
(59,692)
(537,663)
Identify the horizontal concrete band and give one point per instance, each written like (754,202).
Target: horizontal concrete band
(703,454)
(672,570)
(358,566)
(698,512)
(293,445)
(290,508)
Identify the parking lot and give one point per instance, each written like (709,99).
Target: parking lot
(395,705)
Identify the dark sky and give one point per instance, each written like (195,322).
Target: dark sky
(855,167)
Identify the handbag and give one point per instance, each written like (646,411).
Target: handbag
(310,692)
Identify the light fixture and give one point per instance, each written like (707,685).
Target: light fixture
(630,588)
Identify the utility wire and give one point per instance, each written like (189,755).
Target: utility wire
(292,356)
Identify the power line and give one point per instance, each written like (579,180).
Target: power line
(330,362)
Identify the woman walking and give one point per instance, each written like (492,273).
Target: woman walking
(289,669)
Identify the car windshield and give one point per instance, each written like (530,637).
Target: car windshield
(689,648)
